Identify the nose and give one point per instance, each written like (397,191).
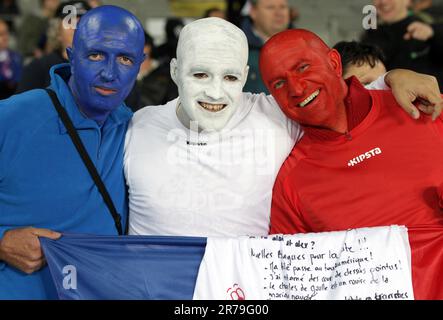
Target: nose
(296,85)
(109,72)
(214,89)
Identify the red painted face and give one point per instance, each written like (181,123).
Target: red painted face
(304,76)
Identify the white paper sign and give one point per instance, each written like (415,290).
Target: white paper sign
(367,263)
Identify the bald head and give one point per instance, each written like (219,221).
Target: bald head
(110,22)
(295,38)
(212,34)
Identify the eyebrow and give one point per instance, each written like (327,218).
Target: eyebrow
(121,52)
(201,68)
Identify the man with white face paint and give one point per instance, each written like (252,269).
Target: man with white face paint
(205,163)
(210,79)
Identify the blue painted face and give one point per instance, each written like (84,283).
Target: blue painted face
(105,59)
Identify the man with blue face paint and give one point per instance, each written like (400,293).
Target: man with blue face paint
(44,185)
(103,65)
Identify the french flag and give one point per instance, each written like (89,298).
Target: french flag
(392,262)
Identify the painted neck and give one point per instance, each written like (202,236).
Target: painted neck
(183,117)
(339,122)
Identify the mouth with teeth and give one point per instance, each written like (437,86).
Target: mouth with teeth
(309,99)
(212,107)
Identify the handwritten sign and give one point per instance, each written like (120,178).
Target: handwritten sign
(367,263)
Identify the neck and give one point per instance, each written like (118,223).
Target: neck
(339,123)
(98,116)
(400,17)
(183,117)
(47,13)
(261,34)
(64,53)
(357,105)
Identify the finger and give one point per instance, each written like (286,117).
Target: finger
(407,105)
(411,27)
(35,255)
(44,263)
(438,108)
(430,98)
(428,109)
(416,34)
(47,233)
(32,266)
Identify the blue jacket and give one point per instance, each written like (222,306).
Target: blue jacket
(43,181)
(254,82)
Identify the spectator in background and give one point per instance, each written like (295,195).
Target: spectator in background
(8,11)
(154,85)
(406,41)
(166,51)
(36,73)
(234,11)
(294,15)
(266,18)
(9,7)
(215,12)
(10,64)
(95,3)
(428,11)
(31,33)
(365,62)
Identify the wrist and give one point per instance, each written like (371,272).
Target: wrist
(1,250)
(388,78)
(2,262)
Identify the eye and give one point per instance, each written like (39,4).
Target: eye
(231,78)
(95,57)
(303,67)
(200,75)
(279,84)
(125,61)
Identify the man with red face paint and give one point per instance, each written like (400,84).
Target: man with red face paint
(362,161)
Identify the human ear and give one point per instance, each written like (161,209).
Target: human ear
(173,70)
(335,61)
(245,78)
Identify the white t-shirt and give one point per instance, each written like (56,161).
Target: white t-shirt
(206,184)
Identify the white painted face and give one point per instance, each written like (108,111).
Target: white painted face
(210,71)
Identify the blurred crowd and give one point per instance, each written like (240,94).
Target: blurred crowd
(409,34)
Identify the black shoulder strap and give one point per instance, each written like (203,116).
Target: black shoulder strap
(86,159)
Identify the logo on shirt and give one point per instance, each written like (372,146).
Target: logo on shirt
(236,293)
(190,143)
(364,156)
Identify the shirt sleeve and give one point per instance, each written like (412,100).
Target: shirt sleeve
(285,218)
(378,84)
